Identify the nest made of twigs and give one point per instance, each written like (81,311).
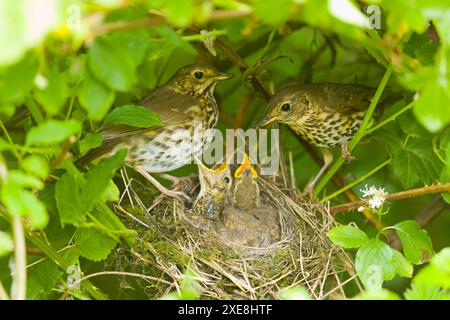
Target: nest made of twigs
(169,242)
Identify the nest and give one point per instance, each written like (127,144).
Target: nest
(171,244)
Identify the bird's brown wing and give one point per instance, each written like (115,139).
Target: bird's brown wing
(171,107)
(345,98)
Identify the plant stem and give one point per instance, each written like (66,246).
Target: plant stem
(389,119)
(438,188)
(203,37)
(19,286)
(359,135)
(13,146)
(354,183)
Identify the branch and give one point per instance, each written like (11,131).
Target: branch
(159,19)
(438,188)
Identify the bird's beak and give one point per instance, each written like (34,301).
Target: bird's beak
(246,165)
(223,76)
(264,122)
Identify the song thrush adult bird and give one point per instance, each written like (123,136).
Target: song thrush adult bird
(324,114)
(215,184)
(248,219)
(187,108)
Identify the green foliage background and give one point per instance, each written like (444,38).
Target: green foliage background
(68,67)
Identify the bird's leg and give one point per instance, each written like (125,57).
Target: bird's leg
(327,160)
(346,153)
(171,193)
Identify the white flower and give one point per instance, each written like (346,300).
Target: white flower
(376,196)
(361,209)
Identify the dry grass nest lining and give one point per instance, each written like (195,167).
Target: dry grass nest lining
(169,243)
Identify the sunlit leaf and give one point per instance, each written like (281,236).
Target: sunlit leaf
(52,132)
(112,64)
(136,116)
(374,264)
(94,244)
(347,236)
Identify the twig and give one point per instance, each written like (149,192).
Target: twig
(389,119)
(438,188)
(159,19)
(19,286)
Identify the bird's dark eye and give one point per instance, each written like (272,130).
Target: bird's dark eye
(226,180)
(198,74)
(286,107)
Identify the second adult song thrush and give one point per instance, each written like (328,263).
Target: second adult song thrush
(324,114)
(187,108)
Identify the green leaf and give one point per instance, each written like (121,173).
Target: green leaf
(52,132)
(273,15)
(416,243)
(414,160)
(420,291)
(112,192)
(21,202)
(382,294)
(374,264)
(428,108)
(90,141)
(99,178)
(347,236)
(16,81)
(68,200)
(437,273)
(94,244)
(6,243)
(36,165)
(295,293)
(136,41)
(409,125)
(95,97)
(136,116)
(422,47)
(402,267)
(179,12)
(112,64)
(42,279)
(53,96)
